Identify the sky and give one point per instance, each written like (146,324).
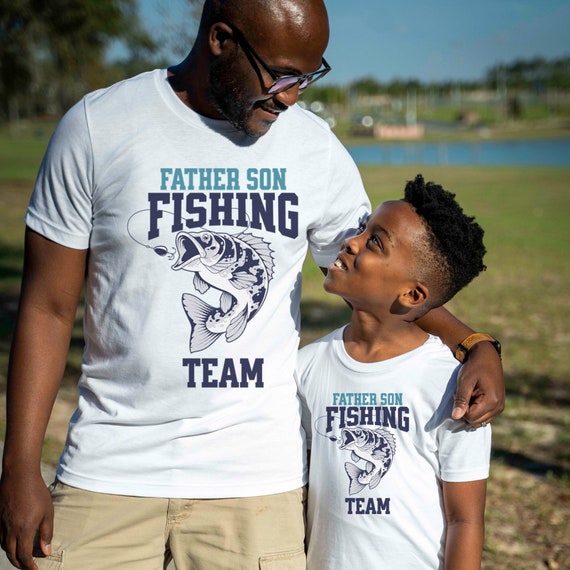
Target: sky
(435,40)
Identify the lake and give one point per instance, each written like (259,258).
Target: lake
(546,152)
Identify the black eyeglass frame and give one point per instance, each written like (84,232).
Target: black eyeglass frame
(280,83)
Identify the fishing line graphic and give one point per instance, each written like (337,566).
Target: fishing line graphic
(238,266)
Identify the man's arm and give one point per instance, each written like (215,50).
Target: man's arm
(464,505)
(480,395)
(51,285)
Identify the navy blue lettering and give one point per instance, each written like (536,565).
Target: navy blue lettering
(386,416)
(285,212)
(221,204)
(228,375)
(251,373)
(155,213)
(191,363)
(203,371)
(198,214)
(262,208)
(267,211)
(207,372)
(370,506)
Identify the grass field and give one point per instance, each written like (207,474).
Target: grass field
(521,299)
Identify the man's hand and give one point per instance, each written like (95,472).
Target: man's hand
(480,395)
(26,508)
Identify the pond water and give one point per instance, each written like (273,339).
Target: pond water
(545,152)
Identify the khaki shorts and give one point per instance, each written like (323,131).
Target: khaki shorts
(96,531)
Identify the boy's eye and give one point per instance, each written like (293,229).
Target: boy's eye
(376,241)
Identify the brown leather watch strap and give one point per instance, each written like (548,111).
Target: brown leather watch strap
(466,344)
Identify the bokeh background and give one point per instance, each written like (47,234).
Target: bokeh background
(474,95)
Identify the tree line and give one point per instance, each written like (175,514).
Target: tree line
(535,75)
(54,51)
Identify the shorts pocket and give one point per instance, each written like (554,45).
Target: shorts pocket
(52,562)
(289,560)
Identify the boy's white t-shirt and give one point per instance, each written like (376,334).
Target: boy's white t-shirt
(196,237)
(381,442)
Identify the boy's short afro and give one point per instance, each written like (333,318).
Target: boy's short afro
(455,255)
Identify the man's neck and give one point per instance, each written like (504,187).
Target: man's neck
(184,79)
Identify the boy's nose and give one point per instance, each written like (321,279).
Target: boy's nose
(351,244)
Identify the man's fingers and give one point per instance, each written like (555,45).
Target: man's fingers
(46,533)
(460,407)
(24,558)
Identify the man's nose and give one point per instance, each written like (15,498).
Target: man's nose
(289,96)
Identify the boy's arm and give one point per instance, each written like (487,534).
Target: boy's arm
(464,505)
(480,395)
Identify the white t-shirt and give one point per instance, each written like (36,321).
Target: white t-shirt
(381,442)
(197,235)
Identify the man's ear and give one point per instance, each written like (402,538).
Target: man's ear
(219,34)
(415,296)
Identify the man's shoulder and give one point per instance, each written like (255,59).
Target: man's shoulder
(308,121)
(125,87)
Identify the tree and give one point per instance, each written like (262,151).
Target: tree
(51,51)
(15,71)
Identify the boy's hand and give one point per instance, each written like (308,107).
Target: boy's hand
(480,395)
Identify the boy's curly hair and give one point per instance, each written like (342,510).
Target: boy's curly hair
(454,254)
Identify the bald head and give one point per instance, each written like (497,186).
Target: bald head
(306,20)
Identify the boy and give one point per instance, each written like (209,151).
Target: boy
(394,482)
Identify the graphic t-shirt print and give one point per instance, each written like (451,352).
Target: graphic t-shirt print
(202,222)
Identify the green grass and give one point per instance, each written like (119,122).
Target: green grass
(521,298)
(22,148)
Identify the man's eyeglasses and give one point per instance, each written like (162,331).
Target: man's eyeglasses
(280,82)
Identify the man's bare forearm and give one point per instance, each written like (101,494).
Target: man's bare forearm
(443,324)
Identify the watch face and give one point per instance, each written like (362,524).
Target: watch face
(498,347)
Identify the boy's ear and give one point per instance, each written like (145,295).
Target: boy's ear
(415,296)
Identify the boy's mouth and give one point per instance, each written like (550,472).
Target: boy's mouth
(338,263)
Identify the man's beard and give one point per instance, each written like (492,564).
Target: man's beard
(228,95)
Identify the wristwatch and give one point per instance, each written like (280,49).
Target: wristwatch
(463,348)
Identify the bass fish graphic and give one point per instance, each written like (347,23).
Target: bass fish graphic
(239,266)
(376,447)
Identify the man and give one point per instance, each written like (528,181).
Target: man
(186,200)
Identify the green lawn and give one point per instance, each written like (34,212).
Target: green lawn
(521,299)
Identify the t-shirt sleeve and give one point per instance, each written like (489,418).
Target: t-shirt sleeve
(61,204)
(347,206)
(464,453)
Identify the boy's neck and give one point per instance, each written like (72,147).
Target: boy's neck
(366,339)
